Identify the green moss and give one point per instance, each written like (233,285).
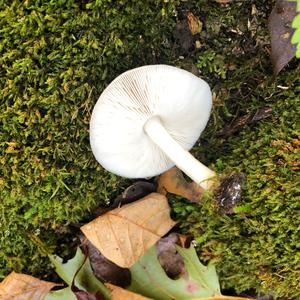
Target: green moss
(56,57)
(257,247)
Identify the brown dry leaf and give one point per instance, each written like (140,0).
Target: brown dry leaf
(24,287)
(124,234)
(282,50)
(173,182)
(223,1)
(118,293)
(195,25)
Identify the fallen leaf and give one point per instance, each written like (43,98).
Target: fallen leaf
(125,234)
(240,122)
(195,25)
(296,36)
(84,295)
(75,273)
(134,192)
(106,270)
(183,36)
(228,193)
(168,256)
(279,23)
(149,278)
(24,287)
(223,1)
(65,293)
(118,293)
(173,182)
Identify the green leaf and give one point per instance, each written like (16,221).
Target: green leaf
(296,22)
(65,294)
(79,270)
(149,278)
(296,37)
(67,271)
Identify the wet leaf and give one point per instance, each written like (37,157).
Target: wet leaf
(118,293)
(242,121)
(149,278)
(228,194)
(282,50)
(183,36)
(173,182)
(124,234)
(24,287)
(169,257)
(106,270)
(134,192)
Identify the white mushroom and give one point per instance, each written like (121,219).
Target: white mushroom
(147,119)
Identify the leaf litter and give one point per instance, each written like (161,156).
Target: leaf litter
(125,234)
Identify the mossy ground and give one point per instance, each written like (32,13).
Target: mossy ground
(56,58)
(258,247)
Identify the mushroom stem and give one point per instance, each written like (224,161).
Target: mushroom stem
(197,171)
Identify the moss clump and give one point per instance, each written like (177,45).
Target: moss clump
(56,57)
(258,246)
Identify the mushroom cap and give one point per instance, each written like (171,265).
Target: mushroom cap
(181,100)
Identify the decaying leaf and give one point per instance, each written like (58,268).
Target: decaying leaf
(84,295)
(75,273)
(118,293)
(228,194)
(183,36)
(149,279)
(173,182)
(195,25)
(24,287)
(124,234)
(169,257)
(282,50)
(106,270)
(240,122)
(134,192)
